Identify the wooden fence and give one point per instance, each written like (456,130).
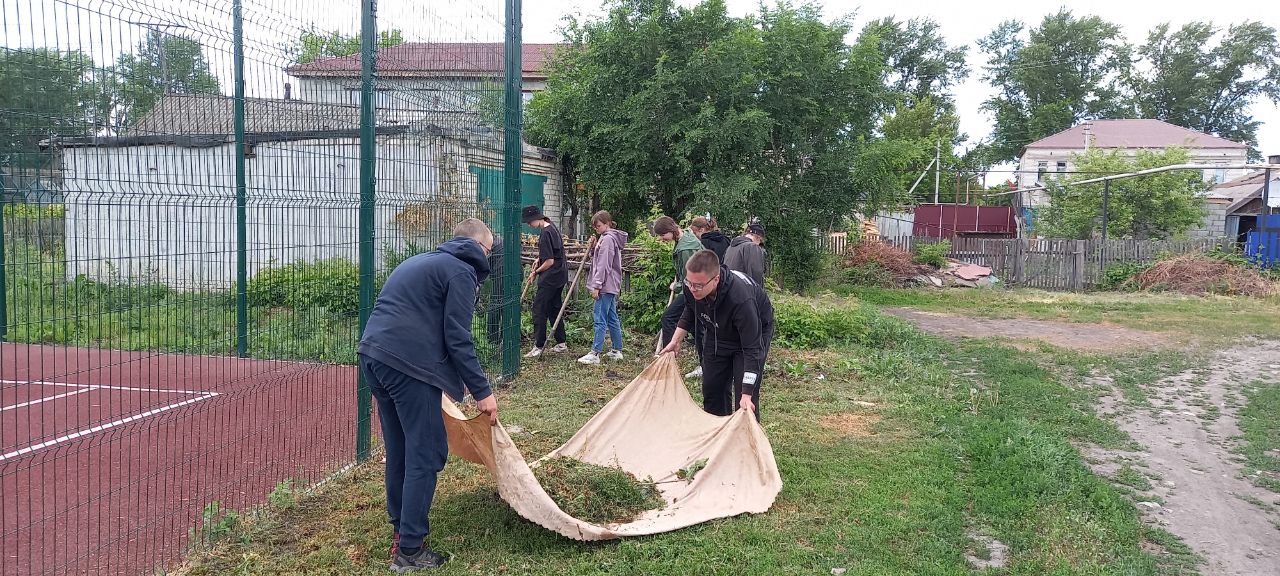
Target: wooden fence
(1058,264)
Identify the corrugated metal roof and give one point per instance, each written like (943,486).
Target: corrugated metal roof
(1133,134)
(186,114)
(436,59)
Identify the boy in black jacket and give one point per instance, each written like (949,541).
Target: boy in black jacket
(736,318)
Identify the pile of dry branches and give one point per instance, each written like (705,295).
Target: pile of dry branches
(1199,274)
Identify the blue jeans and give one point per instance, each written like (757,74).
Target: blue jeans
(417,446)
(605,315)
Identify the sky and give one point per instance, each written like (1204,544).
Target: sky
(963,22)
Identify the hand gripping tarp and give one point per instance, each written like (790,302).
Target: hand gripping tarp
(651,429)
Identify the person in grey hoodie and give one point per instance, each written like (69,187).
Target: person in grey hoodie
(745,254)
(605,284)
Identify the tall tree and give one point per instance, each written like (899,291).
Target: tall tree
(690,109)
(45,93)
(313,44)
(1066,70)
(1206,81)
(1159,205)
(918,61)
(163,64)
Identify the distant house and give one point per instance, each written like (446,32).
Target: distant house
(158,202)
(423,77)
(1052,157)
(1232,208)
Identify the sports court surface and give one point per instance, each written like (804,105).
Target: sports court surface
(108,458)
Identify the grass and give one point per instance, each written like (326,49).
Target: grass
(1261,431)
(597,494)
(1211,317)
(993,449)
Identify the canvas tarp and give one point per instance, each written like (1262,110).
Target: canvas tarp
(652,429)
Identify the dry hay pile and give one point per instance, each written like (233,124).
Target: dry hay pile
(597,494)
(1198,274)
(895,260)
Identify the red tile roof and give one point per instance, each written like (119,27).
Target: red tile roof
(1131,134)
(435,59)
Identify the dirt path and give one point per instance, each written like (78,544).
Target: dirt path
(1090,337)
(1188,433)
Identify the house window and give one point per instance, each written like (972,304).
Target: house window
(1041,169)
(1220,175)
(1062,168)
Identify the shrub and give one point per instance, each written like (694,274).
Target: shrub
(34,211)
(644,303)
(801,324)
(333,285)
(934,254)
(1117,276)
(869,275)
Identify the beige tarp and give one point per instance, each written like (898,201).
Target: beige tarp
(652,429)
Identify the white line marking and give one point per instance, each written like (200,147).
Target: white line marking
(105,387)
(101,427)
(54,397)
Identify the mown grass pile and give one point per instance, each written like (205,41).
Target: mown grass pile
(597,494)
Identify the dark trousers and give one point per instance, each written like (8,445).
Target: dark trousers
(721,389)
(671,317)
(417,446)
(546,305)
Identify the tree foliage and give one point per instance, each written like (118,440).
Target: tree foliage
(314,44)
(163,64)
(689,109)
(1065,70)
(45,93)
(1160,205)
(919,63)
(1204,78)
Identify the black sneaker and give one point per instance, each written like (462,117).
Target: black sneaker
(423,560)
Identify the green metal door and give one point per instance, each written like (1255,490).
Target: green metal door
(490,187)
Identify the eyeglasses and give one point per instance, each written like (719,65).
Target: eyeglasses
(700,286)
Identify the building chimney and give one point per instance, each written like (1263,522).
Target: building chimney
(288,91)
(1088,134)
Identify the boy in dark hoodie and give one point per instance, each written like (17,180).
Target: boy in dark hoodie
(553,274)
(746,255)
(416,346)
(605,284)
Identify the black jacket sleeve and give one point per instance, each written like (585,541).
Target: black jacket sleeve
(459,306)
(687,318)
(747,321)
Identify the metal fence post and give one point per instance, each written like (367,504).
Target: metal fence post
(4,286)
(511,197)
(368,151)
(242,265)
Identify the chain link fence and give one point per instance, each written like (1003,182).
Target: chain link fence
(200,201)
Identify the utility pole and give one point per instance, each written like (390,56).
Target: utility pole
(937,168)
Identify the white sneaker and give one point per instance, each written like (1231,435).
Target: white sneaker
(697,373)
(613,355)
(561,347)
(536,352)
(590,358)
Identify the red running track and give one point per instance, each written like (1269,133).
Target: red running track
(108,458)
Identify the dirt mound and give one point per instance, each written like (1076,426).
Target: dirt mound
(1198,274)
(895,260)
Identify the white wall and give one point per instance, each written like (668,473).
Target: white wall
(167,214)
(1028,166)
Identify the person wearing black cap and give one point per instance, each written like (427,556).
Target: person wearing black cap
(553,274)
(745,254)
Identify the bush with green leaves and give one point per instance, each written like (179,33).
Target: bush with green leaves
(643,304)
(934,254)
(1117,276)
(802,324)
(34,211)
(332,284)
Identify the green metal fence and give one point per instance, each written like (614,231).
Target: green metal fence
(200,201)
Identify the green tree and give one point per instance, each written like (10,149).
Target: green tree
(918,62)
(1160,205)
(690,109)
(1205,81)
(313,44)
(45,93)
(1049,79)
(163,64)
